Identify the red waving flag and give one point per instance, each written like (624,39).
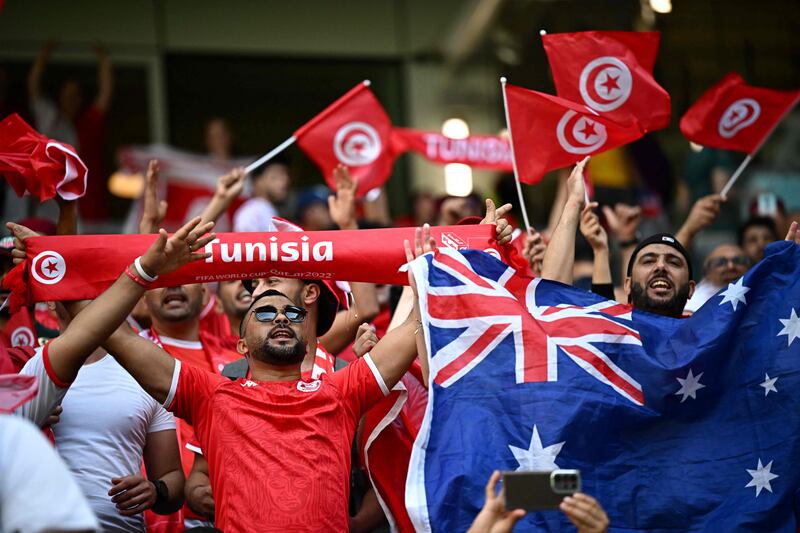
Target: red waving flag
(43,167)
(611,72)
(735,116)
(548,132)
(354,131)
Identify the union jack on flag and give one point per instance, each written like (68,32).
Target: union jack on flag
(675,424)
(488,302)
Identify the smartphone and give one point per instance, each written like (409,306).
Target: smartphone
(537,491)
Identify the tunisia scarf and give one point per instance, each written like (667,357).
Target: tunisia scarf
(78,267)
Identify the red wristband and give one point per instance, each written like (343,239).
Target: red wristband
(135,278)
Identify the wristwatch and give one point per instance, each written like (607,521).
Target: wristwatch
(162,492)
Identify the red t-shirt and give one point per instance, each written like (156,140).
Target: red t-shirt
(278,452)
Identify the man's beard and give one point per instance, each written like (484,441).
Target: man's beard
(672,307)
(286,355)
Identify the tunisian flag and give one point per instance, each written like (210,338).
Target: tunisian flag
(611,72)
(735,116)
(478,151)
(548,132)
(354,131)
(43,167)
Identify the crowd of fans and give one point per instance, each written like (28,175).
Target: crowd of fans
(188,407)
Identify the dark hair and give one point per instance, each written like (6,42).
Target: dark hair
(660,238)
(752,222)
(279,159)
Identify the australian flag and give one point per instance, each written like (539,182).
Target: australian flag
(676,424)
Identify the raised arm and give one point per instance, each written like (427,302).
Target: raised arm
(153,211)
(623,222)
(395,352)
(342,207)
(560,254)
(703,213)
(105,78)
(37,71)
(229,187)
(98,320)
(598,240)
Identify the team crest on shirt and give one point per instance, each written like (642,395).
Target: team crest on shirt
(308,386)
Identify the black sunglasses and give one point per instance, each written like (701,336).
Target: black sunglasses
(269,313)
(719,262)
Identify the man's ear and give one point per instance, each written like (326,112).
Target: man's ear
(691,287)
(241,347)
(205,295)
(311,294)
(626,285)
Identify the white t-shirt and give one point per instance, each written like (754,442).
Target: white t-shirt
(102,434)
(254,215)
(50,122)
(37,492)
(51,389)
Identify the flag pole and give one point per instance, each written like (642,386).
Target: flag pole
(514,160)
(269,155)
(749,157)
(735,176)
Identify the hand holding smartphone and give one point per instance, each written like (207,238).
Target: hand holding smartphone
(538,491)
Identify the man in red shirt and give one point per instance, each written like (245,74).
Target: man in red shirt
(278,447)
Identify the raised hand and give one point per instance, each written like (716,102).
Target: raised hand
(366,339)
(591,228)
(169,253)
(533,250)
(154,210)
(230,186)
(342,206)
(623,221)
(703,213)
(793,234)
(494,518)
(576,186)
(495,216)
(423,243)
(585,513)
(132,494)
(20,234)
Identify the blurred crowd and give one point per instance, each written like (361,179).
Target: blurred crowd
(131,430)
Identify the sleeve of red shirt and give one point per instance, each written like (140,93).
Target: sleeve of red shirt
(361,385)
(191,388)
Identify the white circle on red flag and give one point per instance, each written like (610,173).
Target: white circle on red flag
(578,134)
(22,336)
(605,83)
(356,144)
(738,116)
(48,267)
